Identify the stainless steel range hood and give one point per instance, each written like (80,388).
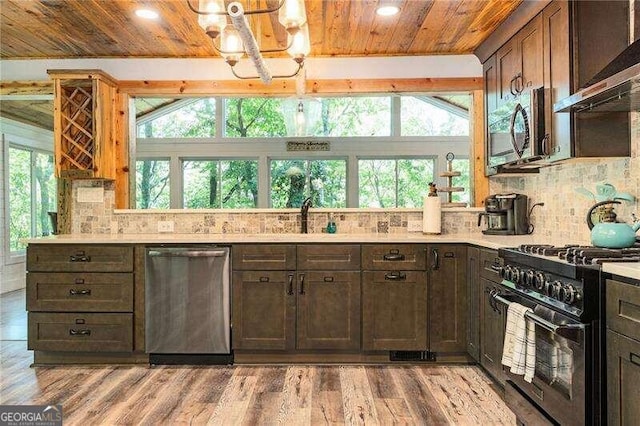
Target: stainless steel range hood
(615,88)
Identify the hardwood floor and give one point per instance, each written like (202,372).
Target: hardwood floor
(247,395)
(13,315)
(251,395)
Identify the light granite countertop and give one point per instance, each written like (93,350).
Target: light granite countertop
(487,241)
(628,270)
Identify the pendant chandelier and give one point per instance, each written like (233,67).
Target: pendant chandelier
(233,40)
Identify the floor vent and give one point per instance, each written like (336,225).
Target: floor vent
(412,356)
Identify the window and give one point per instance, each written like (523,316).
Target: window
(378,151)
(220,184)
(324,181)
(176,118)
(152,184)
(429,115)
(254,117)
(394,182)
(32,195)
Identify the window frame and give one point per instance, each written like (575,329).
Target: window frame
(30,145)
(265,149)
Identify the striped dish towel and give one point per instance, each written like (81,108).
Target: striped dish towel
(519,351)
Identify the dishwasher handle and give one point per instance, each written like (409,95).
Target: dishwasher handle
(187,253)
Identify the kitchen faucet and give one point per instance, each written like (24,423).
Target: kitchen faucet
(304,212)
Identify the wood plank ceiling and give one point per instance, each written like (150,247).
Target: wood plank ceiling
(102,28)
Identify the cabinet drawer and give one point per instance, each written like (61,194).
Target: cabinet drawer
(72,292)
(263,257)
(79,258)
(489,260)
(387,257)
(80,332)
(329,257)
(623,308)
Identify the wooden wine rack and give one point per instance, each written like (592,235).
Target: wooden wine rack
(84,110)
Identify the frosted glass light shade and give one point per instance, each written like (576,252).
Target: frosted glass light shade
(212,24)
(300,45)
(292,14)
(231,47)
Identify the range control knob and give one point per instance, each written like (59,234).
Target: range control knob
(570,294)
(539,281)
(516,275)
(556,286)
(529,278)
(505,272)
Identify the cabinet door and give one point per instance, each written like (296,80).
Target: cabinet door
(447,298)
(328,315)
(490,74)
(394,311)
(557,77)
(530,41)
(491,333)
(507,67)
(263,310)
(473,302)
(623,376)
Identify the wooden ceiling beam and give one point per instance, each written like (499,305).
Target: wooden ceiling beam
(288,87)
(27,89)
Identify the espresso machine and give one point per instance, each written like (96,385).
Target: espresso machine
(505,214)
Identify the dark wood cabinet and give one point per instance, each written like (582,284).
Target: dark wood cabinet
(264,305)
(519,62)
(263,257)
(562,49)
(447,298)
(473,302)
(623,351)
(300,308)
(81,298)
(394,310)
(580,39)
(492,318)
(623,379)
(328,310)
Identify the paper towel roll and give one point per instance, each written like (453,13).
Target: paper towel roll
(431,216)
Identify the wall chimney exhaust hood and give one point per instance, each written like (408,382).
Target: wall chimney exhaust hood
(615,88)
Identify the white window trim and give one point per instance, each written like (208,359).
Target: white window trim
(264,149)
(21,136)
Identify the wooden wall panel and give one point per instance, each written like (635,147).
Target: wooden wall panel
(479,181)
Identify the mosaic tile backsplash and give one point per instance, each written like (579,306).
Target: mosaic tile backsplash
(562,220)
(100,218)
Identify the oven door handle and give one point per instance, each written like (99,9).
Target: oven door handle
(568,331)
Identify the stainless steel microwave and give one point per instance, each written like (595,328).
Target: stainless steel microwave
(516,132)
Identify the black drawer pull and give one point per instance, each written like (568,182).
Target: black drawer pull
(634,359)
(79,281)
(83,292)
(80,257)
(264,279)
(393,257)
(328,279)
(80,332)
(395,276)
(449,254)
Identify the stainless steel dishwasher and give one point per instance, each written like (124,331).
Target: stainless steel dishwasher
(187,302)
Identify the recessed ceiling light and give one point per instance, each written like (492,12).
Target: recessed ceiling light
(147,13)
(387,10)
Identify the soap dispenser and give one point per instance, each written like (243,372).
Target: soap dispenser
(331,225)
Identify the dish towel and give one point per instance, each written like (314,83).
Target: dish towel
(519,350)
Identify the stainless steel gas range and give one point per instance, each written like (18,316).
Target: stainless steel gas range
(563,286)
